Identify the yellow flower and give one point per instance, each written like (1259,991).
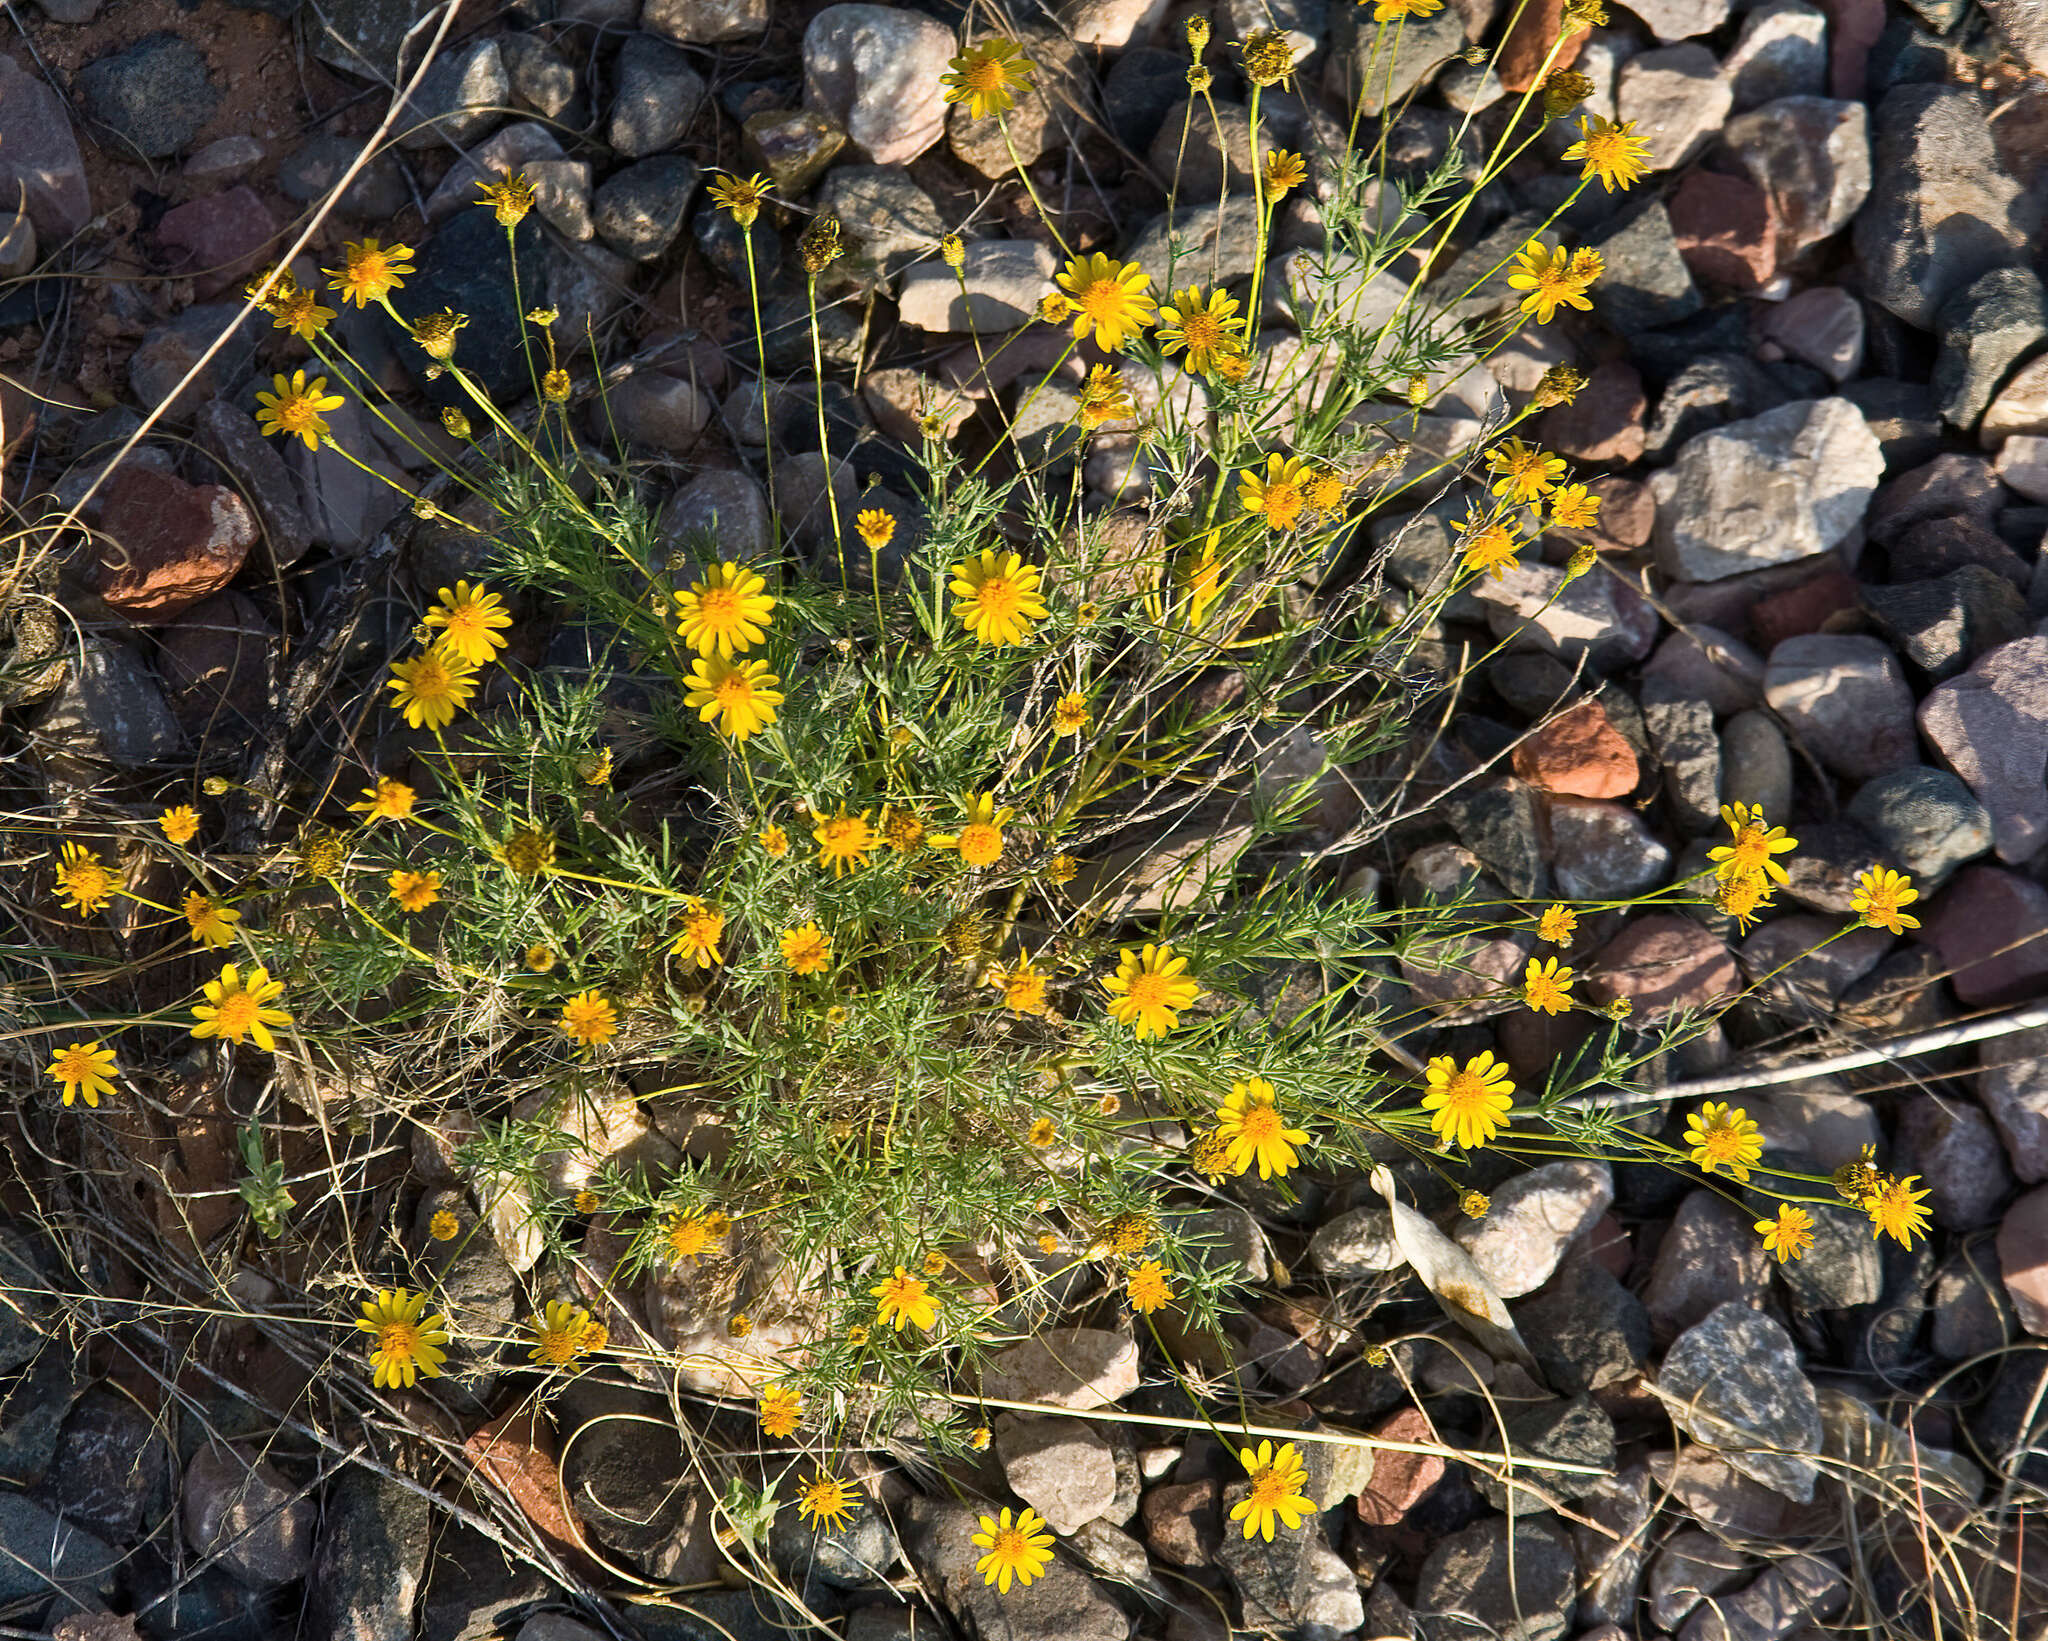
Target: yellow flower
(998,595)
(1558,925)
(1043,1133)
(737,697)
(83,881)
(1061,870)
(1277,1482)
(988,77)
(1390,11)
(1720,1138)
(1070,714)
(738,196)
(586,1202)
(1022,986)
(1147,1289)
(902,830)
(297,408)
(211,923)
(1281,495)
(807,949)
(370,272)
(703,924)
(432,687)
(589,1019)
(1549,278)
(1470,1105)
(469,620)
(555,386)
(1198,579)
(857,1335)
(904,1299)
(980,841)
(978,1438)
(1017,1550)
(1752,845)
(539,958)
(1611,152)
(561,1333)
(235,1010)
(1573,507)
(435,333)
(877,527)
(180,825)
(1282,174)
(408,1344)
(291,307)
(83,1069)
(688,1235)
(1880,896)
(774,841)
(825,1500)
(1252,1130)
(1523,473)
(1475,1204)
(1896,1209)
(781,1411)
(727,613)
(527,851)
(1789,1234)
(1109,299)
(444,1226)
(1104,398)
(1489,546)
(1149,990)
(1743,898)
(387,800)
(511,199)
(1546,987)
(1207,329)
(415,891)
(844,840)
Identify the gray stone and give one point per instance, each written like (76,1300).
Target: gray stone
(1500,824)
(344,506)
(1004,280)
(1201,243)
(1380,75)
(109,707)
(1782,486)
(2021,406)
(1781,52)
(228,433)
(45,1551)
(370,1560)
(1603,851)
(363,37)
(1925,819)
(1943,624)
(170,350)
(459,99)
(1934,547)
(1811,157)
(260,1526)
(1355,1244)
(1479,1582)
(540,78)
(1956,1152)
(1677,98)
(377,192)
(18,249)
(474,1589)
(851,1557)
(1081,1369)
(1709,1257)
(1711,666)
(1991,727)
(1845,698)
(1681,19)
(705,22)
(1565,1431)
(1713,391)
(33,1411)
(1113,24)
(661,411)
(877,71)
(112,1470)
(639,211)
(1297,1585)
(1611,1552)
(890,222)
(1756,764)
(1733,1382)
(42,173)
(1948,487)
(561,193)
(1682,732)
(631,1482)
(1972,1315)
(1646,282)
(1987,328)
(1692,1567)
(1799,981)
(719,512)
(2024,23)
(1943,211)
(1060,1467)
(1063,1601)
(1600,616)
(1534,1217)
(1584,1328)
(659,95)
(2012,1083)
(153,96)
(1800,1591)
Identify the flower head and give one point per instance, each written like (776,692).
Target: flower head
(980,840)
(726,613)
(1563,90)
(560,1332)
(1573,507)
(179,825)
(703,925)
(1016,1549)
(1559,385)
(820,244)
(1718,1138)
(844,840)
(1743,898)
(444,1226)
(292,307)
(903,1299)
(414,891)
(1149,990)
(807,949)
(1281,173)
(1557,925)
(987,78)
(83,881)
(1207,328)
(1392,11)
(877,527)
(1070,713)
(781,1411)
(1041,1133)
(1549,278)
(409,1344)
(1109,299)
(998,597)
(297,409)
(387,799)
(432,687)
(1277,1480)
(236,1009)
(527,851)
(737,697)
(1546,987)
(1880,898)
(370,272)
(1470,1104)
(1523,473)
(555,386)
(435,333)
(773,840)
(1103,398)
(1611,152)
(211,921)
(902,829)
(1788,1234)
(470,621)
(1022,986)
(1147,1289)
(1753,843)
(825,1501)
(1896,1209)
(589,1019)
(739,197)
(1253,1131)
(688,1235)
(510,199)
(1489,546)
(1268,58)
(1281,494)
(83,1069)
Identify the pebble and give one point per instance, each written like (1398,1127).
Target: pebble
(541,80)
(1534,1218)
(664,412)
(1111,24)
(1944,623)
(877,71)
(1080,1369)
(1724,231)
(659,95)
(1986,328)
(1756,764)
(1718,1494)
(1950,486)
(1734,1382)
(1711,666)
(1925,819)
(1991,927)
(561,185)
(704,22)
(1798,1591)
(1956,1151)
(1710,1258)
(218,239)
(1063,1602)
(1822,326)
(1972,1313)
(1991,727)
(1781,52)
(153,95)
(1182,1521)
(1662,963)
(1580,754)
(371,1558)
(377,192)
(2012,1083)
(1646,284)
(1682,732)
(1537,606)
(49,1552)
(1005,279)
(1423,45)
(2021,406)
(1612,1546)
(639,211)
(215,663)
(891,220)
(1603,851)
(1845,698)
(1936,546)
(719,510)
(1358,1243)
(1584,1328)
(1692,1566)
(1781,486)
(246,1512)
(42,172)
(110,707)
(172,543)
(2023,465)
(1515,1589)
(1677,97)
(1682,19)
(1296,1585)
(1060,1467)
(1604,424)
(462,97)
(1811,157)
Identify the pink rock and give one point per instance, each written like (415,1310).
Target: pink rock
(2023,1258)
(1853,28)
(217,240)
(1628,511)
(1579,753)
(171,545)
(1991,725)
(41,170)
(1661,963)
(1991,928)
(1806,608)
(1399,1480)
(1605,422)
(1724,230)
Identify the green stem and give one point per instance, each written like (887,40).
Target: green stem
(1024,177)
(824,449)
(761,354)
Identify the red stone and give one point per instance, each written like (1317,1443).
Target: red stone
(1605,422)
(1991,928)
(169,544)
(1609,1245)
(1579,754)
(1853,28)
(2023,1259)
(1661,963)
(1523,52)
(510,1453)
(217,241)
(1399,1480)
(1628,511)
(1724,230)
(1805,608)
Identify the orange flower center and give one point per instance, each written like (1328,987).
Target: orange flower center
(1464,1092)
(998,597)
(1269,1487)
(734,690)
(986,76)
(1149,990)
(296,414)
(1260,1124)
(844,836)
(981,845)
(1284,502)
(238,1011)
(399,1340)
(1722,1143)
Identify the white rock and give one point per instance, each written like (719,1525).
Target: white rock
(1532,1219)
(1677,97)
(2023,465)
(1603,851)
(1005,279)
(1681,19)
(1060,1467)
(877,70)
(1782,52)
(1823,327)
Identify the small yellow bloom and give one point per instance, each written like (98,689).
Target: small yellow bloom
(560,1332)
(1523,473)
(1277,1481)
(1070,714)
(1392,11)
(1611,152)
(370,272)
(998,597)
(527,851)
(1896,1209)
(738,698)
(1488,545)
(1149,990)
(807,949)
(780,1412)
(1552,280)
(589,1019)
(1043,1133)
(444,1226)
(539,958)
(1881,894)
(774,841)
(1788,1234)
(825,1501)
(83,881)
(1546,987)
(296,408)
(211,921)
(83,1070)
(1017,1550)
(432,687)
(1558,925)
(388,799)
(688,1235)
(986,78)
(409,1344)
(1268,58)
(235,1009)
(180,825)
(727,613)
(1022,986)
(877,527)
(1253,1131)
(903,1299)
(703,925)
(1751,847)
(1573,507)
(435,334)
(1109,299)
(1208,328)
(1720,1138)
(1470,1104)
(1104,398)
(414,891)
(510,199)
(740,197)
(980,840)
(845,841)
(902,829)
(470,621)
(1280,495)
(1282,173)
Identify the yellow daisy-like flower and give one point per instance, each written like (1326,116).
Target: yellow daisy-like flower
(235,1008)
(435,333)
(1719,1138)
(1070,714)
(1546,987)
(527,851)
(1557,925)
(1743,898)
(1149,990)
(297,408)
(414,891)
(1282,173)
(370,271)
(825,1500)
(1548,278)
(807,949)
(212,923)
(780,1412)
(739,197)
(1489,546)
(1751,847)
(877,527)
(703,925)
(1109,299)
(1022,986)
(432,687)
(902,829)
(727,613)
(1042,1133)
(1281,494)
(1147,1288)
(1611,152)
(845,840)
(179,825)
(589,1019)
(1523,473)
(738,698)
(980,840)
(999,600)
(444,1226)
(1896,1209)
(1881,894)
(83,1070)
(560,1332)
(291,306)
(539,958)
(510,200)
(1198,582)
(1573,507)
(1788,1234)
(1103,398)
(1277,1482)
(1392,11)
(773,840)
(689,1235)
(986,78)
(1208,328)
(903,1299)
(1470,1105)
(470,621)
(1017,1551)
(1253,1131)
(409,1344)
(83,881)
(388,799)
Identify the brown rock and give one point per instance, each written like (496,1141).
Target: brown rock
(215,664)
(1399,1479)
(2023,1258)
(1806,608)
(1605,422)
(1628,511)
(1724,230)
(509,1453)
(1991,928)
(171,543)
(1661,963)
(217,240)
(1523,52)
(1580,754)
(1182,1521)
(228,433)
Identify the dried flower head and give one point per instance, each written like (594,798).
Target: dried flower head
(1268,58)
(821,244)
(511,199)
